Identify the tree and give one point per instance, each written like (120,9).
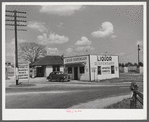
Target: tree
(120,64)
(31,51)
(140,64)
(126,64)
(135,64)
(130,64)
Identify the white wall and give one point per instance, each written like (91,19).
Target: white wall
(93,67)
(85,75)
(62,68)
(125,69)
(141,70)
(104,64)
(49,69)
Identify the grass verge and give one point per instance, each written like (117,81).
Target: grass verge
(124,104)
(22,85)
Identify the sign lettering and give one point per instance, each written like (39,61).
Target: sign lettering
(23,71)
(75,59)
(104,58)
(106,70)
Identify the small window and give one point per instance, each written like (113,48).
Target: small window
(56,68)
(69,70)
(99,70)
(81,70)
(112,70)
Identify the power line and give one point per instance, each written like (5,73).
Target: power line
(14,15)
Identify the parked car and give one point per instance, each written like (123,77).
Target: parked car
(58,76)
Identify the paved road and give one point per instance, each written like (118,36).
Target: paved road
(62,95)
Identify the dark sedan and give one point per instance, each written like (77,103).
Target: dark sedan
(58,76)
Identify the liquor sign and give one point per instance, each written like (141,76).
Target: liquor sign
(23,71)
(106,60)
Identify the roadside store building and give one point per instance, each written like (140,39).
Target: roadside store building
(83,67)
(92,67)
(46,65)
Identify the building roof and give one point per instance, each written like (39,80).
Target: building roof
(49,60)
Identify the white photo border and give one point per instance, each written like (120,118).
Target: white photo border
(86,114)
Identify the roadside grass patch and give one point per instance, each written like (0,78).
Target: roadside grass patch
(22,85)
(124,104)
(127,77)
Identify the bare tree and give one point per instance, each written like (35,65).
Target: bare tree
(31,51)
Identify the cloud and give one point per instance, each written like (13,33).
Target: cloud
(18,40)
(55,38)
(84,48)
(43,38)
(52,51)
(106,30)
(60,25)
(40,26)
(113,36)
(62,10)
(80,50)
(52,39)
(83,41)
(10,47)
(69,50)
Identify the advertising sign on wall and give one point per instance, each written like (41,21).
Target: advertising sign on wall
(106,60)
(23,71)
(75,59)
(106,70)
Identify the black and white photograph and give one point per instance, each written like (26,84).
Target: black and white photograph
(74,61)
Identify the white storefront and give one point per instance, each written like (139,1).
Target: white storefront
(92,67)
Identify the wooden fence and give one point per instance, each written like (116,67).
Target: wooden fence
(136,96)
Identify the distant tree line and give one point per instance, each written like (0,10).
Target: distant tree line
(130,64)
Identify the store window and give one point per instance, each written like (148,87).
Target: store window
(112,70)
(99,70)
(69,70)
(81,70)
(56,68)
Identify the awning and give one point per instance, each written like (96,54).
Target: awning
(75,64)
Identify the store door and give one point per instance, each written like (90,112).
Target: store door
(40,71)
(75,73)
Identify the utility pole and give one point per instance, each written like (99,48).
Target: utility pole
(15,24)
(138,53)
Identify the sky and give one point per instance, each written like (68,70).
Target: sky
(81,29)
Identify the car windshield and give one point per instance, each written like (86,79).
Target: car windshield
(60,73)
(57,73)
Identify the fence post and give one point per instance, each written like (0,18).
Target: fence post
(133,100)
